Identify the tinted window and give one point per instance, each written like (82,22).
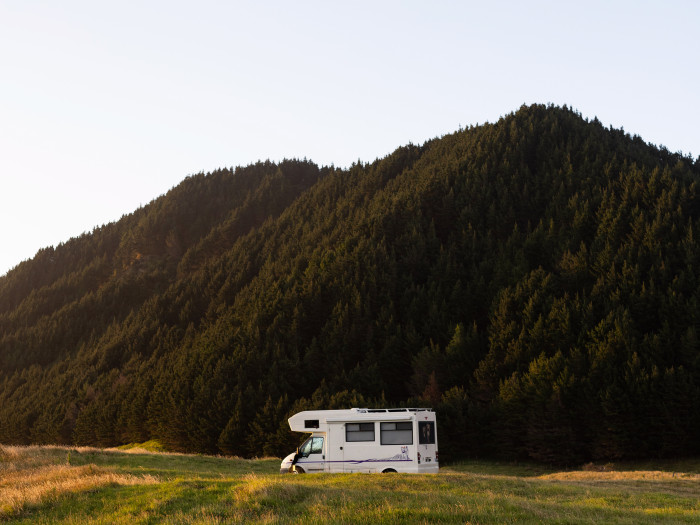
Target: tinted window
(400,433)
(426,433)
(359,432)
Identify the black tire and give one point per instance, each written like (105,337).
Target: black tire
(388,471)
(297,470)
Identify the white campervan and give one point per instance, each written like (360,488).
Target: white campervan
(365,440)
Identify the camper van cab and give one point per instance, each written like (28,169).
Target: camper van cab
(365,440)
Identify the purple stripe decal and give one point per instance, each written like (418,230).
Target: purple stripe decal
(356,461)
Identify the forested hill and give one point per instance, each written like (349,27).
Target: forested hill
(536,280)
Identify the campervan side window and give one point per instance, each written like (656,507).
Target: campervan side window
(313,445)
(311,423)
(359,432)
(397,433)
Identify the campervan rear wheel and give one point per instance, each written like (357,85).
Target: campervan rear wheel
(388,471)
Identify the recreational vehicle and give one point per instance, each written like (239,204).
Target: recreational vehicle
(365,440)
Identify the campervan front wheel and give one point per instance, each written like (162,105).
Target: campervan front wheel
(388,471)
(298,470)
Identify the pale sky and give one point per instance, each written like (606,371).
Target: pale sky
(104,106)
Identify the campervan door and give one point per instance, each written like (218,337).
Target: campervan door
(336,446)
(312,454)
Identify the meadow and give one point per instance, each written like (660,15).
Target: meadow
(138,485)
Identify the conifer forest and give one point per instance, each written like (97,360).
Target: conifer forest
(535,280)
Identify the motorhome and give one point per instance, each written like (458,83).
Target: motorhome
(365,440)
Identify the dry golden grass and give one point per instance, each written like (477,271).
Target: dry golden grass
(32,475)
(621,475)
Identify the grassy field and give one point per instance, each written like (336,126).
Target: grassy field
(83,485)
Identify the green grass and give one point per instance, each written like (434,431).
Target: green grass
(203,489)
(147,446)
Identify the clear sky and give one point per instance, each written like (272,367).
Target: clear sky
(106,105)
